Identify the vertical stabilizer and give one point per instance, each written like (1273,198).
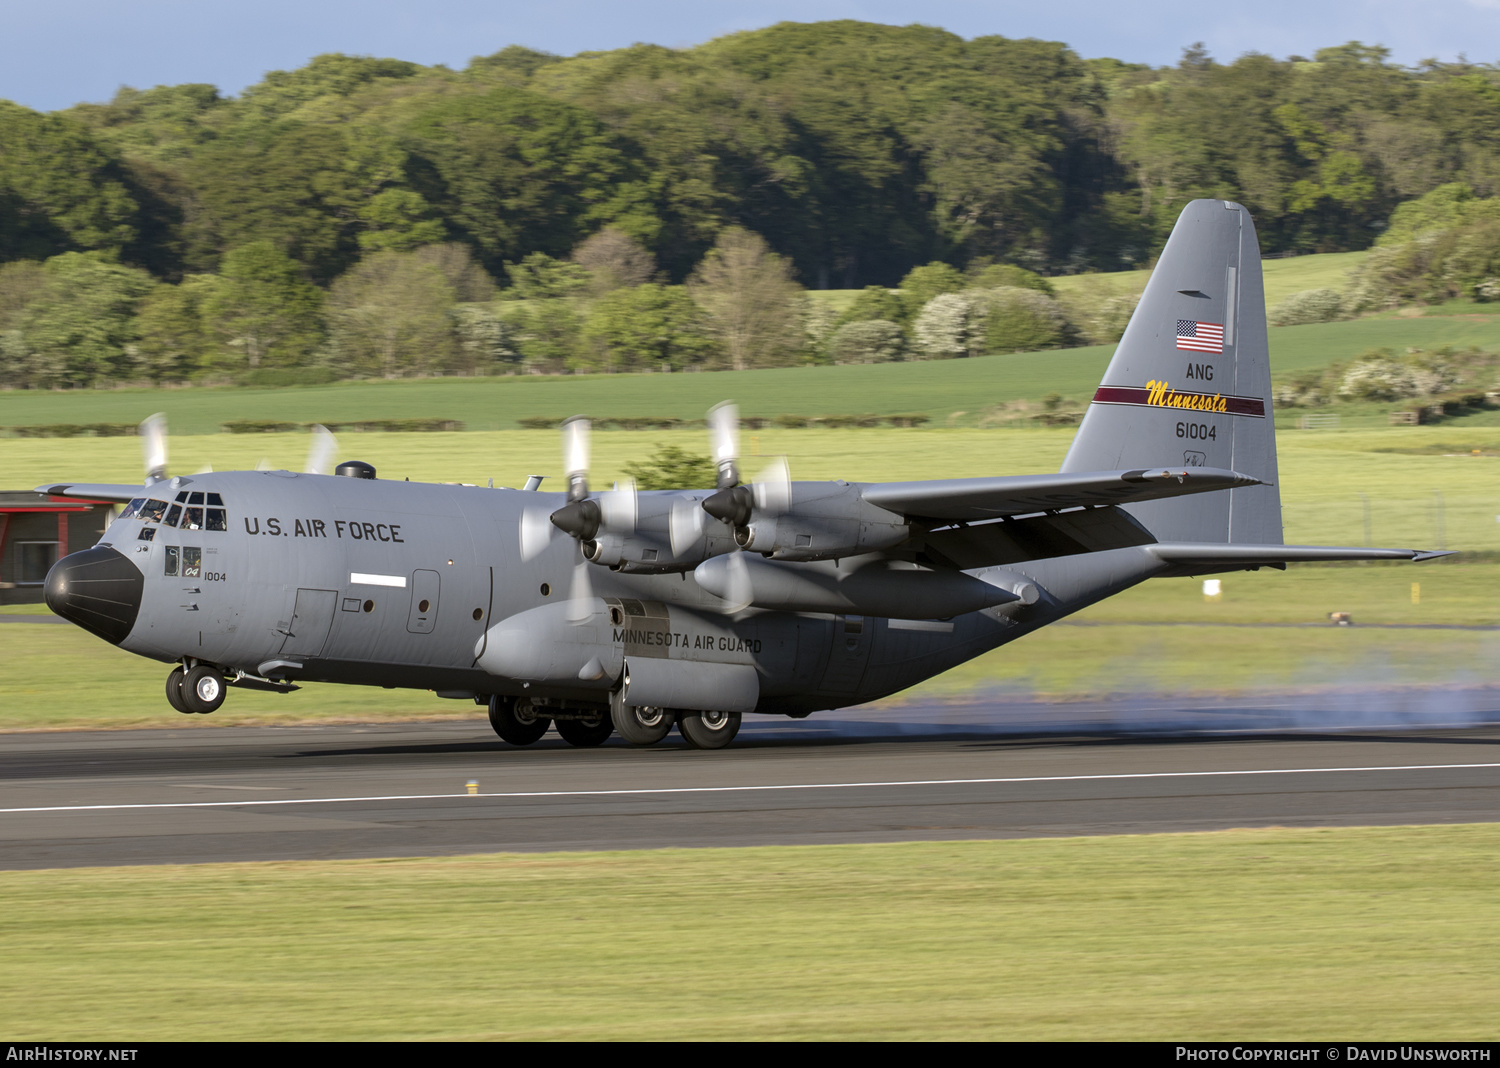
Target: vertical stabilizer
(1190,383)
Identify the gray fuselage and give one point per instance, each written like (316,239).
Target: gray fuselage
(397,584)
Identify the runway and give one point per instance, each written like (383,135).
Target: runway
(189,795)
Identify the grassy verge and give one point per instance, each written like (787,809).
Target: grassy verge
(958,390)
(1366,933)
(1282,277)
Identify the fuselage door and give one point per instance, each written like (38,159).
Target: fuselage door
(424,602)
(311,619)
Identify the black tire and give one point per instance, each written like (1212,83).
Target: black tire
(203,690)
(516,721)
(708,730)
(641,724)
(174,691)
(586,733)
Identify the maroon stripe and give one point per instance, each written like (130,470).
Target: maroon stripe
(1251,406)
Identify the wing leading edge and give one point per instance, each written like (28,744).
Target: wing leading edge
(94,491)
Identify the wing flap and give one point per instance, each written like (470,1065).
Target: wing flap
(1212,554)
(991,498)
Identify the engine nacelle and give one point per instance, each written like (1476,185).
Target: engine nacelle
(824,521)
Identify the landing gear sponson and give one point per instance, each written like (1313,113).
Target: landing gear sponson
(523,720)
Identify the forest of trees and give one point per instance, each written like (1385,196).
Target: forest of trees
(668,209)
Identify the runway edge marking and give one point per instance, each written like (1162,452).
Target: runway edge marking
(746,789)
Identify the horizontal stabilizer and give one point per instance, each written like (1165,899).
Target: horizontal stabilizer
(1213,554)
(94,491)
(991,498)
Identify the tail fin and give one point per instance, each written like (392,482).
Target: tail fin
(1190,383)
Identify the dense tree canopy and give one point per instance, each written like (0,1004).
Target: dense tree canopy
(857,155)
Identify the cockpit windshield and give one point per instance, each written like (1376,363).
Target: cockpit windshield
(152,511)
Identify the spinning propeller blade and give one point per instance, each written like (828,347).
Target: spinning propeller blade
(773,490)
(536,532)
(575,442)
(686,524)
(321,451)
(724,429)
(618,508)
(581,592)
(153,432)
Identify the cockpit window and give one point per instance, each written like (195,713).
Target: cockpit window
(215,500)
(195,498)
(182,497)
(216,518)
(152,511)
(172,514)
(130,509)
(170,565)
(193,518)
(147,533)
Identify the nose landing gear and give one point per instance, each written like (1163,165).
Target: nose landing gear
(199,689)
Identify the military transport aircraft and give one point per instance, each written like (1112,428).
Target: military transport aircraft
(632,612)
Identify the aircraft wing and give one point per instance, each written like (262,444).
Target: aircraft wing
(991,498)
(94,491)
(1215,553)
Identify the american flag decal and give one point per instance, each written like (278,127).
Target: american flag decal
(1200,337)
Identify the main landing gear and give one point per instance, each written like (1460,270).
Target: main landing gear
(199,689)
(522,721)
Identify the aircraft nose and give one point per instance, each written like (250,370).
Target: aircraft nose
(99,589)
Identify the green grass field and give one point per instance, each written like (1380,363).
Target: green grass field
(1282,277)
(1367,933)
(952,392)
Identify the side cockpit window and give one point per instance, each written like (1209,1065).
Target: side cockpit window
(152,511)
(132,508)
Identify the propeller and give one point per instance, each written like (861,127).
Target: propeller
(153,433)
(686,524)
(724,429)
(734,503)
(581,517)
(321,451)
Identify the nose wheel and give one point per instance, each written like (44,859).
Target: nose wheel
(198,690)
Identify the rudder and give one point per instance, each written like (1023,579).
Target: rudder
(1190,383)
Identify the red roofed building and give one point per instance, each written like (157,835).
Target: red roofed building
(35,531)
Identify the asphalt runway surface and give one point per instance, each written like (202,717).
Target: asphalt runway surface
(1003,769)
